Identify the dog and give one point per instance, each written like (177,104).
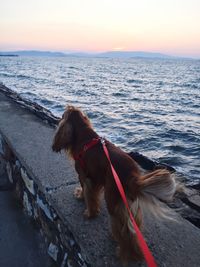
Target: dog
(77,137)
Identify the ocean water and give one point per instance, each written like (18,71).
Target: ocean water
(147,105)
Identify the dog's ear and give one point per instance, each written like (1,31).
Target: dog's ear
(67,132)
(63,136)
(76,116)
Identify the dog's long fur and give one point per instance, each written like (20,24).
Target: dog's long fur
(73,132)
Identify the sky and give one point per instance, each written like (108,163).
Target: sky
(165,26)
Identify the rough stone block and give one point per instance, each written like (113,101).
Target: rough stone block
(45,207)
(29,183)
(27,204)
(53,251)
(9,172)
(1,145)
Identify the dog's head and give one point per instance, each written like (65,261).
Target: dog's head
(73,119)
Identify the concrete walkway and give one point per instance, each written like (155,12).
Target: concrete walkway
(21,245)
(173,244)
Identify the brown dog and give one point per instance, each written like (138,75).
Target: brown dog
(76,135)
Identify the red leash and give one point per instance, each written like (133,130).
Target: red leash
(142,243)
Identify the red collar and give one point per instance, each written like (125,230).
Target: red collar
(86,147)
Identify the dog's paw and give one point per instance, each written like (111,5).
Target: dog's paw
(78,193)
(86,214)
(90,214)
(118,252)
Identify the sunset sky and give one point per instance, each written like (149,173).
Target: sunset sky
(166,26)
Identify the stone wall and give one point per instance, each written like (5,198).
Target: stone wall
(62,247)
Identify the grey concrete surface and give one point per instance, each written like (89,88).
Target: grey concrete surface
(21,245)
(173,244)
(31,140)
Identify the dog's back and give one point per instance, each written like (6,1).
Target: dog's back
(99,169)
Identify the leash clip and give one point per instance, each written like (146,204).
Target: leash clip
(103,141)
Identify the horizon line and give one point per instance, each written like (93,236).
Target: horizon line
(68,52)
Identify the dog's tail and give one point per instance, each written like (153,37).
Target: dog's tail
(154,188)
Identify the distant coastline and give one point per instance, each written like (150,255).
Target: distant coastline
(8,55)
(108,54)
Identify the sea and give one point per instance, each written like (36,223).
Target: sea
(151,106)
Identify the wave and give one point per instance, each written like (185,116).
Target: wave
(135,81)
(20,76)
(119,94)
(23,77)
(191,85)
(73,68)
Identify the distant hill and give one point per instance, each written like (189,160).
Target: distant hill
(80,54)
(109,54)
(133,54)
(121,54)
